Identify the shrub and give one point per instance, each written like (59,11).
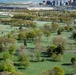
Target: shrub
(54,56)
(54,71)
(58,50)
(59,57)
(68,28)
(12,49)
(59,32)
(57,71)
(50,50)
(6,66)
(6,55)
(23,60)
(59,41)
(16,73)
(38,56)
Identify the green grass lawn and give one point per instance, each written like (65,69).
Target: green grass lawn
(36,68)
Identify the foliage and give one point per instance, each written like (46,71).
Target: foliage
(19,22)
(12,49)
(54,27)
(54,56)
(68,28)
(59,41)
(6,55)
(54,71)
(22,35)
(59,57)
(23,60)
(47,33)
(6,41)
(74,35)
(24,17)
(1,47)
(46,27)
(31,35)
(59,32)
(50,50)
(59,50)
(16,73)
(6,66)
(38,56)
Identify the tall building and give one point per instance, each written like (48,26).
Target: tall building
(71,1)
(74,0)
(57,2)
(48,2)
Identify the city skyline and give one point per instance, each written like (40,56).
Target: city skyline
(26,0)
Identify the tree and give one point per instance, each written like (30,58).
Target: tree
(38,56)
(4,42)
(20,28)
(54,27)
(25,42)
(12,49)
(57,71)
(6,66)
(1,47)
(50,50)
(59,32)
(54,71)
(59,41)
(59,57)
(47,34)
(23,60)
(74,35)
(6,55)
(17,73)
(31,34)
(46,27)
(54,57)
(58,50)
(22,35)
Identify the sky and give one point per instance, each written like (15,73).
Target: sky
(20,0)
(23,0)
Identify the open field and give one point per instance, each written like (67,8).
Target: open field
(70,43)
(37,67)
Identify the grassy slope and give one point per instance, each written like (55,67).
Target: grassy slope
(36,68)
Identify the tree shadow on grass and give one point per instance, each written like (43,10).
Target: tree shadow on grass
(68,74)
(21,68)
(30,48)
(33,61)
(51,60)
(66,64)
(1,58)
(44,54)
(16,64)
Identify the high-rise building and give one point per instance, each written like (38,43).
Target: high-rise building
(48,2)
(57,2)
(74,0)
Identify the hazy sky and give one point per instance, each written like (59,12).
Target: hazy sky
(20,0)
(23,0)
